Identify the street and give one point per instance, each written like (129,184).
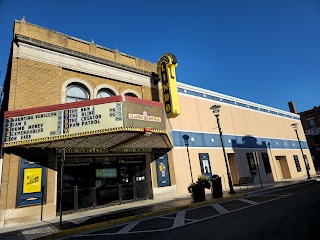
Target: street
(291,213)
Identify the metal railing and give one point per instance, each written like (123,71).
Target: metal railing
(89,198)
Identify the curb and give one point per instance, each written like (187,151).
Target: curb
(119,221)
(311,181)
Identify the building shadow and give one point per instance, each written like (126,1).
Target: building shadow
(154,81)
(251,157)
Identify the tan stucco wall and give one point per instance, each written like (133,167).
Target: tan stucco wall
(197,117)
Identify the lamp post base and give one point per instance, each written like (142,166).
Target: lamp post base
(232,191)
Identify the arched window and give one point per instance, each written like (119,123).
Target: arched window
(76,93)
(130,94)
(105,92)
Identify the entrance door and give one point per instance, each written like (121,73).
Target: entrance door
(233,167)
(282,160)
(102,180)
(133,184)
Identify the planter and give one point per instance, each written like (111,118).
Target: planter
(198,194)
(197,189)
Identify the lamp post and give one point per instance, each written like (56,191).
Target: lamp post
(215,109)
(186,142)
(295,127)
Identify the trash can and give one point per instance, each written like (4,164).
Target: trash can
(216,186)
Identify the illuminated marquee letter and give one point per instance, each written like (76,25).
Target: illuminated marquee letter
(166,70)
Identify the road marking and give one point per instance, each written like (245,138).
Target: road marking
(248,201)
(127,228)
(272,195)
(167,217)
(219,208)
(179,220)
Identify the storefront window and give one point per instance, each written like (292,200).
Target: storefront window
(306,161)
(252,164)
(266,162)
(296,161)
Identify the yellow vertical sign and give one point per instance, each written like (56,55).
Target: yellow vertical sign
(32,180)
(166,70)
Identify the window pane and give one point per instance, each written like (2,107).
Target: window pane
(266,162)
(130,94)
(105,93)
(312,123)
(252,164)
(306,162)
(296,161)
(76,93)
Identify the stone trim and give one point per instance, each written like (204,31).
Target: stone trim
(52,47)
(81,65)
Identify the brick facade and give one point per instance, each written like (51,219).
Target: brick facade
(32,83)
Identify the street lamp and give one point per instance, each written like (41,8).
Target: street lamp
(215,109)
(186,142)
(295,127)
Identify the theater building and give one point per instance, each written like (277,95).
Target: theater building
(102,127)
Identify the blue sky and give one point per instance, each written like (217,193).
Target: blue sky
(267,51)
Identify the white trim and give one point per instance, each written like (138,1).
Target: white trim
(74,80)
(85,66)
(235,148)
(232,134)
(104,86)
(131,91)
(236,106)
(238,100)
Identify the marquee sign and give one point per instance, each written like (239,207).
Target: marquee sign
(72,122)
(47,126)
(166,70)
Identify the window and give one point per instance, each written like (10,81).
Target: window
(252,164)
(76,93)
(102,93)
(316,139)
(130,94)
(266,162)
(306,162)
(311,122)
(296,161)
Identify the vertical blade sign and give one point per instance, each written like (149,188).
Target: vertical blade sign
(166,70)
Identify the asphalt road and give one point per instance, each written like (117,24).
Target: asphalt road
(287,214)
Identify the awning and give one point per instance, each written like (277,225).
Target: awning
(108,123)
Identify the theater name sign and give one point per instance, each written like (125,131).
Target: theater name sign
(72,120)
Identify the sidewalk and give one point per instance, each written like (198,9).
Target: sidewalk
(119,214)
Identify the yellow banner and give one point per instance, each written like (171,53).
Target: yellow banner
(166,70)
(32,180)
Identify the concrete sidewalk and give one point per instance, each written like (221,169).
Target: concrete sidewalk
(119,214)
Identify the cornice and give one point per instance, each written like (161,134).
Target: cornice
(67,51)
(225,99)
(67,61)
